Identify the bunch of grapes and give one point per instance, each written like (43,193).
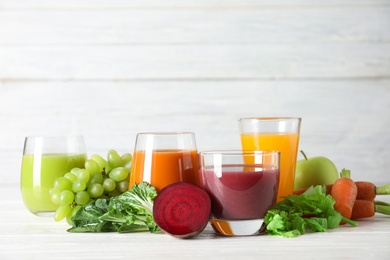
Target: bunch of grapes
(100,178)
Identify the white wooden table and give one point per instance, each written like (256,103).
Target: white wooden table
(26,236)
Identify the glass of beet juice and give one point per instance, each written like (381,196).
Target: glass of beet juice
(242,185)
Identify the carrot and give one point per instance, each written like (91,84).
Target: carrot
(344,193)
(368,208)
(365,190)
(363,209)
(368,190)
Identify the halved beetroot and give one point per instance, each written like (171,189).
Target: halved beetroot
(182,209)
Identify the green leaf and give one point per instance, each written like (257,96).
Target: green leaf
(317,224)
(312,209)
(345,173)
(87,218)
(298,223)
(282,224)
(132,211)
(334,218)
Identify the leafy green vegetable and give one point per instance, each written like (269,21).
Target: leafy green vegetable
(131,211)
(313,209)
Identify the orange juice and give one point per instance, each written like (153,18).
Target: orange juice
(162,167)
(287,145)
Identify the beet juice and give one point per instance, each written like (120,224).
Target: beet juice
(240,192)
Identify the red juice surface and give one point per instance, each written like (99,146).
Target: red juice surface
(239,192)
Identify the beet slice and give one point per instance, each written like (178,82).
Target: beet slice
(182,209)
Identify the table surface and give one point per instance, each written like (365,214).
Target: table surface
(26,236)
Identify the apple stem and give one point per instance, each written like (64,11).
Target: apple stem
(304,155)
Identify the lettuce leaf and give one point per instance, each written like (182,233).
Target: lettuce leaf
(132,211)
(311,210)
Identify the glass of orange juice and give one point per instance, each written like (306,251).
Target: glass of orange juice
(274,133)
(164,158)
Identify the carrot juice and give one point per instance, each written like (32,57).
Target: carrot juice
(287,145)
(164,166)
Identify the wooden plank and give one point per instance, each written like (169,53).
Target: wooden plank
(104,4)
(198,62)
(210,26)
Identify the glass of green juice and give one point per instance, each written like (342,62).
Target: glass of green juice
(46,158)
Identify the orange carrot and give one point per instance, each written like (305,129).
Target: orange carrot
(368,208)
(365,190)
(363,209)
(344,193)
(368,191)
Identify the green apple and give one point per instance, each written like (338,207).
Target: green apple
(317,170)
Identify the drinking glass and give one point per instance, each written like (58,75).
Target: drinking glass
(46,158)
(274,133)
(162,158)
(242,187)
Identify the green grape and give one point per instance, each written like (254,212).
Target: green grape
(62,183)
(78,185)
(55,195)
(75,171)
(82,197)
(100,161)
(123,186)
(118,174)
(84,175)
(128,175)
(114,193)
(128,165)
(104,196)
(69,216)
(72,212)
(71,176)
(61,212)
(96,190)
(107,169)
(66,197)
(114,160)
(126,157)
(96,178)
(91,166)
(109,184)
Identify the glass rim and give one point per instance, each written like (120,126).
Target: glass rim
(239,152)
(166,133)
(276,118)
(54,136)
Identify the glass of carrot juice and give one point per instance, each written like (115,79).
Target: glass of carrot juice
(274,133)
(162,158)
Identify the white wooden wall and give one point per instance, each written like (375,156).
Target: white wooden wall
(109,69)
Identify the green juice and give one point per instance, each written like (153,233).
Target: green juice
(38,175)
